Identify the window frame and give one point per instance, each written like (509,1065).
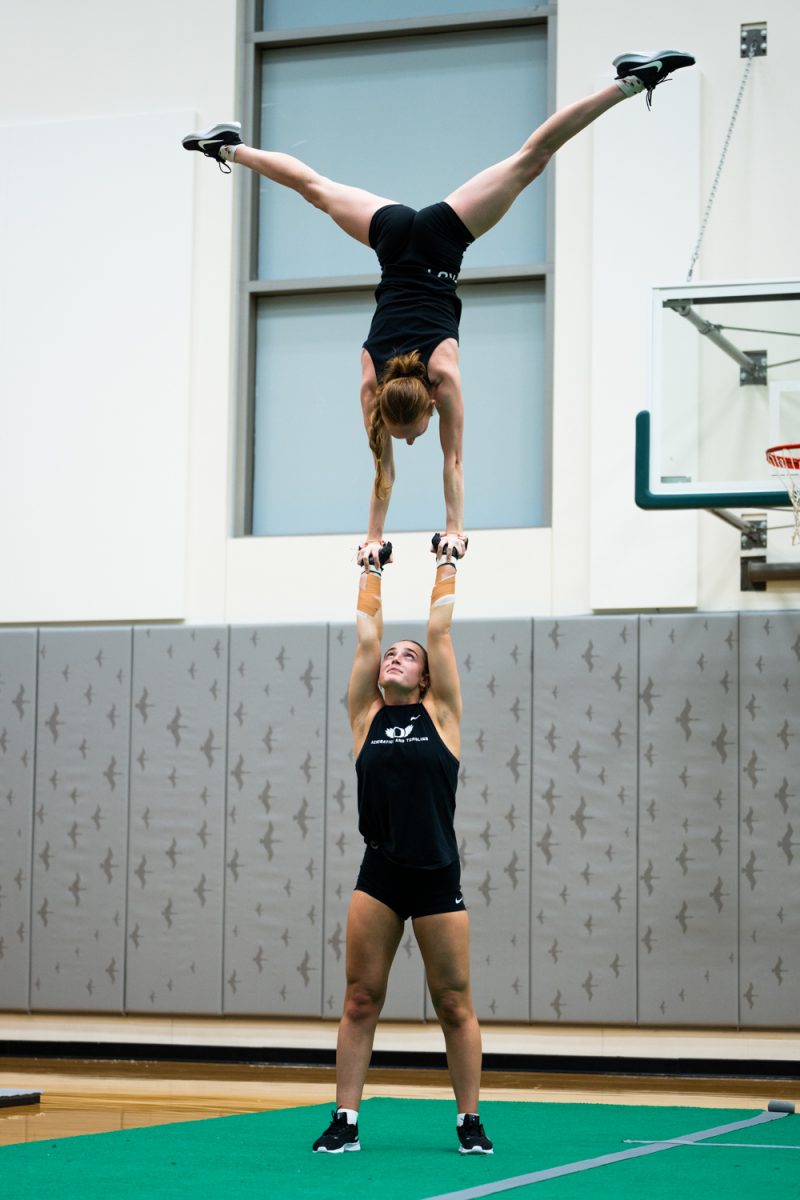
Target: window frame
(254,43)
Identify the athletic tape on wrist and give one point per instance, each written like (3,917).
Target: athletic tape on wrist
(369,593)
(444,591)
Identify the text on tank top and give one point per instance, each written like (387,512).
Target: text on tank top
(407,780)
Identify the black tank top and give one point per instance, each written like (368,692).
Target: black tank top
(420,255)
(407,781)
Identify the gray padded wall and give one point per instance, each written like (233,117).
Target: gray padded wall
(274,912)
(493,811)
(17,741)
(129,778)
(345,846)
(769,760)
(688,818)
(80,833)
(177,820)
(583,901)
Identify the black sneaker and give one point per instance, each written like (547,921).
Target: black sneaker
(651,69)
(472,1137)
(338,1137)
(210,141)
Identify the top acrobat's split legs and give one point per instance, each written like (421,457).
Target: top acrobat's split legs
(482,200)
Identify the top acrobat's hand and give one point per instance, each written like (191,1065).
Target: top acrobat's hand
(374,554)
(450,546)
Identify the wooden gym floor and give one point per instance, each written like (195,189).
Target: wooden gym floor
(85,1094)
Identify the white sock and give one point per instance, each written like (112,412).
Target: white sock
(351,1114)
(630,86)
(460,1118)
(228,153)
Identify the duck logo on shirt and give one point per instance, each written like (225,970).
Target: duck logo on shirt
(399,734)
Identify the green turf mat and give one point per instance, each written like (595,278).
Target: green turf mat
(409,1153)
(693,1172)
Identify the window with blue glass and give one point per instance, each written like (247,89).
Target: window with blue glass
(410,116)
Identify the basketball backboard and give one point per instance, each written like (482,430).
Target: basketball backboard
(725,385)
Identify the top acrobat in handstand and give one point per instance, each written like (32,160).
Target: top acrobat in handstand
(409,360)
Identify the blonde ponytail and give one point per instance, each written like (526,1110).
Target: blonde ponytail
(377,444)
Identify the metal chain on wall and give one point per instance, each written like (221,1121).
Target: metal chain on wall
(720,165)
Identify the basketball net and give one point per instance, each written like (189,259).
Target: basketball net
(785,461)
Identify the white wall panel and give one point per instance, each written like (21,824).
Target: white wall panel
(644,218)
(95,300)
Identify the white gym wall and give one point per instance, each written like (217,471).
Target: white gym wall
(116,302)
(156,541)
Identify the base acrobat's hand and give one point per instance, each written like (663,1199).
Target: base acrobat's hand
(449,546)
(374,554)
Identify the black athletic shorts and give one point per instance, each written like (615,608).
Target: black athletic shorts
(433,237)
(411,891)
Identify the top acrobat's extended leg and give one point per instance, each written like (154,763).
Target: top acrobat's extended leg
(484,199)
(352,208)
